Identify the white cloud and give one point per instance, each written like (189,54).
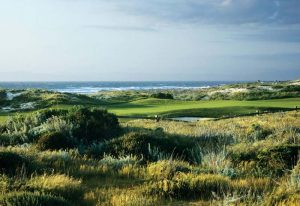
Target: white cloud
(226,2)
(216,11)
(147,39)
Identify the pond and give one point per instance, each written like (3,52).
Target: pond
(190,119)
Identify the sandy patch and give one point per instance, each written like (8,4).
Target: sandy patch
(11,96)
(266,88)
(295,83)
(229,91)
(28,105)
(7,109)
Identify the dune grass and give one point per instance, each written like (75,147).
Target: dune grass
(96,175)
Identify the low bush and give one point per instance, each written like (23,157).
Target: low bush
(55,141)
(184,186)
(131,143)
(282,196)
(12,163)
(4,184)
(214,142)
(257,186)
(268,161)
(259,133)
(86,125)
(56,184)
(93,125)
(116,164)
(7,139)
(279,159)
(57,160)
(95,150)
(57,124)
(161,95)
(31,199)
(2,95)
(141,144)
(287,192)
(45,114)
(166,169)
(291,88)
(115,196)
(243,152)
(127,166)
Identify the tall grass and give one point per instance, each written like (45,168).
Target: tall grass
(224,162)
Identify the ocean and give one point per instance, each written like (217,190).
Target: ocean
(93,87)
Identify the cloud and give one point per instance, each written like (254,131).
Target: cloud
(217,11)
(121,28)
(273,36)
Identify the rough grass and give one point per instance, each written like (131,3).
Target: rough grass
(215,180)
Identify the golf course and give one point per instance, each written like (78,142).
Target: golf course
(178,108)
(217,108)
(149,147)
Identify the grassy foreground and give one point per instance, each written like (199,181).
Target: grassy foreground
(239,161)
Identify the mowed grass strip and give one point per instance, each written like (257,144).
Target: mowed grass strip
(178,108)
(3,118)
(216,108)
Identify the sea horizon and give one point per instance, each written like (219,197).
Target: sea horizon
(88,87)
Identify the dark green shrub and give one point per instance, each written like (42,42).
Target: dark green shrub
(176,145)
(31,199)
(93,124)
(187,186)
(141,143)
(2,128)
(166,169)
(55,141)
(161,95)
(241,156)
(12,139)
(258,186)
(86,125)
(219,96)
(272,161)
(11,163)
(259,133)
(278,159)
(47,113)
(2,96)
(131,143)
(56,184)
(214,141)
(95,150)
(291,88)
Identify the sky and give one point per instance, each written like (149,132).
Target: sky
(149,40)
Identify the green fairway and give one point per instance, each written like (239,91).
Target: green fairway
(148,107)
(178,108)
(2,118)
